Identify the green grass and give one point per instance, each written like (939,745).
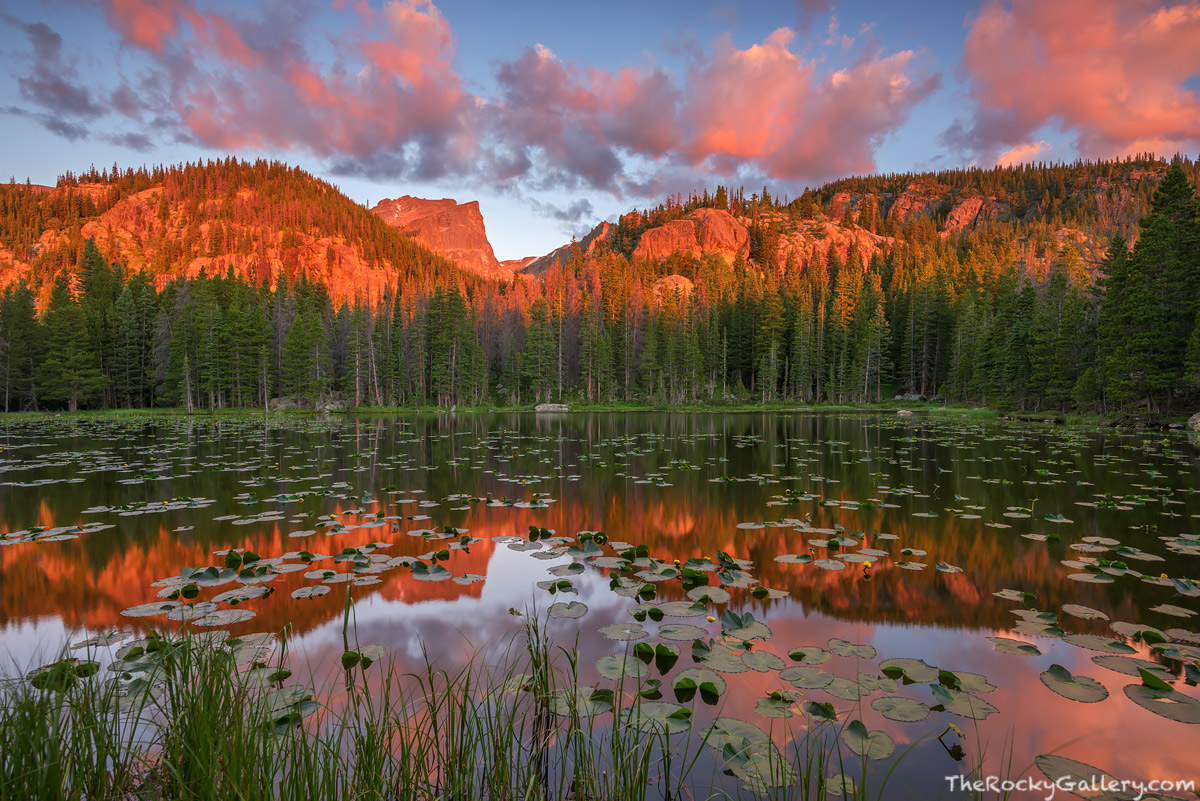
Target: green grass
(211,723)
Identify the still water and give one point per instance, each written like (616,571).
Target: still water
(892,534)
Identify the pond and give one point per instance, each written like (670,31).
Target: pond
(1035,586)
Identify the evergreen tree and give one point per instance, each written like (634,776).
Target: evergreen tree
(69,373)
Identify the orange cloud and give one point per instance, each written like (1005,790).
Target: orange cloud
(1112,72)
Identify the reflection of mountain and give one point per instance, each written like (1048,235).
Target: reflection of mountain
(88,581)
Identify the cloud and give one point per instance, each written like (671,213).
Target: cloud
(1022,153)
(1110,72)
(377,95)
(763,110)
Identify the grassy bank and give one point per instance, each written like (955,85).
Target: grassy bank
(1117,419)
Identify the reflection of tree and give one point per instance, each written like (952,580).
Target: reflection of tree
(89,580)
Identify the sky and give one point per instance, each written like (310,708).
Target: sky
(556,115)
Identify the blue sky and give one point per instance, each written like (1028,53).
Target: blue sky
(556,115)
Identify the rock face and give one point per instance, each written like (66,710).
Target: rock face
(718,231)
(586,247)
(448,228)
(705,230)
(974,210)
(677,236)
(815,237)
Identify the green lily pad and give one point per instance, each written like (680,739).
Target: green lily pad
(1007,645)
(314,591)
(871,744)
(709,684)
(961,703)
(810,655)
(1077,688)
(658,716)
(681,632)
(1078,774)
(584,702)
(224,617)
(913,670)
(899,708)
(625,632)
(807,677)
(721,658)
(775,705)
(1170,704)
(151,609)
(1129,666)
(617,666)
(843,648)
(572,610)
(1102,644)
(1172,610)
(762,661)
(1084,612)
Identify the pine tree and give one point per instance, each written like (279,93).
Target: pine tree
(69,372)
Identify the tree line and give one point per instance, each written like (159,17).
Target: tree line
(959,318)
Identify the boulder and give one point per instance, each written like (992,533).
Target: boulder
(551,407)
(1193,423)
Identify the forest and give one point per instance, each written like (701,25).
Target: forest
(1005,315)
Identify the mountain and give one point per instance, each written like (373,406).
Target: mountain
(260,220)
(451,229)
(1025,207)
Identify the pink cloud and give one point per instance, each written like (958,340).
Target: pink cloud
(147,24)
(1111,72)
(1022,153)
(764,107)
(390,102)
(768,105)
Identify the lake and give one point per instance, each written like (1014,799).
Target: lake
(843,558)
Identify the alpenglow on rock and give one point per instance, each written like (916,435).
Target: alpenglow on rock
(449,228)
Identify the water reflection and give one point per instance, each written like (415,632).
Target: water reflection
(962,491)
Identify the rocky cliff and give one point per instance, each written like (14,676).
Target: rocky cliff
(448,228)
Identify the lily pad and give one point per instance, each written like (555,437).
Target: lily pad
(1095,643)
(810,655)
(961,703)
(709,684)
(658,716)
(625,632)
(843,648)
(1077,688)
(1007,645)
(807,677)
(572,610)
(899,708)
(871,744)
(1084,612)
(680,632)
(618,666)
(1170,703)
(913,670)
